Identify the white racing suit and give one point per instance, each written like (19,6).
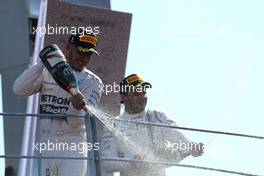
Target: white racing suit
(63,137)
(142,142)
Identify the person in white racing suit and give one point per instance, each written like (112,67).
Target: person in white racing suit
(141,142)
(63,137)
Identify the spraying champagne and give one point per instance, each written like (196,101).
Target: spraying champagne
(56,64)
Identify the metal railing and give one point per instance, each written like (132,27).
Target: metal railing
(135,160)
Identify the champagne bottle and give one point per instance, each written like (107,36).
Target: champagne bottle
(56,64)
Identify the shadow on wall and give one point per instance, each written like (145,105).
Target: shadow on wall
(10,171)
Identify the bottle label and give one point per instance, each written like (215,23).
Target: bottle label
(55,57)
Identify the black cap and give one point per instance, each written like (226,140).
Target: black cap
(85,42)
(132,81)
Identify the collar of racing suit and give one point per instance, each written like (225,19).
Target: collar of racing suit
(128,116)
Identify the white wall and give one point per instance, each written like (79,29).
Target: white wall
(2,161)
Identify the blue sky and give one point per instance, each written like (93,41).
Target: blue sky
(205,61)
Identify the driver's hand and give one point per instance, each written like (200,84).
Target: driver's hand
(196,149)
(78,101)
